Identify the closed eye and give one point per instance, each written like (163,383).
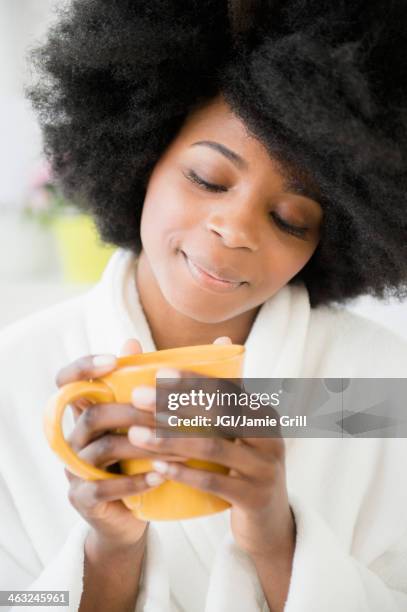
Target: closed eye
(290,229)
(200,181)
(295,230)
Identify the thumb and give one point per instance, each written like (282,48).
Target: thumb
(131,347)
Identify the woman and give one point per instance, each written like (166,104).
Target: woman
(249,165)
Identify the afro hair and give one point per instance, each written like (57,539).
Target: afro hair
(322,85)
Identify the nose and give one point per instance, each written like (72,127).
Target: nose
(236,228)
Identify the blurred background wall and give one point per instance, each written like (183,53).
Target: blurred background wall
(40,262)
(37,265)
(21,22)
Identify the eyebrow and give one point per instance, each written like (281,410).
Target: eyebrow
(238,161)
(297,187)
(291,184)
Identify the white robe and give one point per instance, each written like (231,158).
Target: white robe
(349,496)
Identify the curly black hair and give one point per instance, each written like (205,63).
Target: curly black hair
(323,86)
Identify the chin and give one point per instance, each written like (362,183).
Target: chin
(208,310)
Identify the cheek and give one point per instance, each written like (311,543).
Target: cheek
(167,214)
(285,258)
(158,216)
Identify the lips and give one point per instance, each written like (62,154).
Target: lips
(222,274)
(208,282)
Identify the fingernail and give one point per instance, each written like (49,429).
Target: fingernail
(130,347)
(139,434)
(223,340)
(104,361)
(167,373)
(160,466)
(152,478)
(143,395)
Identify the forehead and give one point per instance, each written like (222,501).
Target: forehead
(215,121)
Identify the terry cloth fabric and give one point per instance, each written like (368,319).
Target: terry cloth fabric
(349,496)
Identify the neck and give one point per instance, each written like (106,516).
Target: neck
(183,330)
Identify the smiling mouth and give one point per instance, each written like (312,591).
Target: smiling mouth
(205,279)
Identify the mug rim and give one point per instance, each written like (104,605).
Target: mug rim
(231,351)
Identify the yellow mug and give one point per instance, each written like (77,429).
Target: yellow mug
(171,500)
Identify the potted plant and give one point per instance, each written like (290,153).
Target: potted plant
(82,254)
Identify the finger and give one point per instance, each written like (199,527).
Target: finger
(231,488)
(209,389)
(111,448)
(245,460)
(177,382)
(86,368)
(89,493)
(76,410)
(223,340)
(70,477)
(131,347)
(99,418)
(80,404)
(143,397)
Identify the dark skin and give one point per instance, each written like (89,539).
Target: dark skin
(116,543)
(261,519)
(236,227)
(238,223)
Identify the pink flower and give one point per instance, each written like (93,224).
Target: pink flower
(41,175)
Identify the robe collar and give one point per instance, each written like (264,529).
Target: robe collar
(274,347)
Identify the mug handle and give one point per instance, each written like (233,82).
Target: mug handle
(52,425)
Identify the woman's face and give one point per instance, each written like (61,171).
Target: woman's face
(216,198)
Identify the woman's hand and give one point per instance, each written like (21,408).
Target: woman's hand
(261,518)
(99,501)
